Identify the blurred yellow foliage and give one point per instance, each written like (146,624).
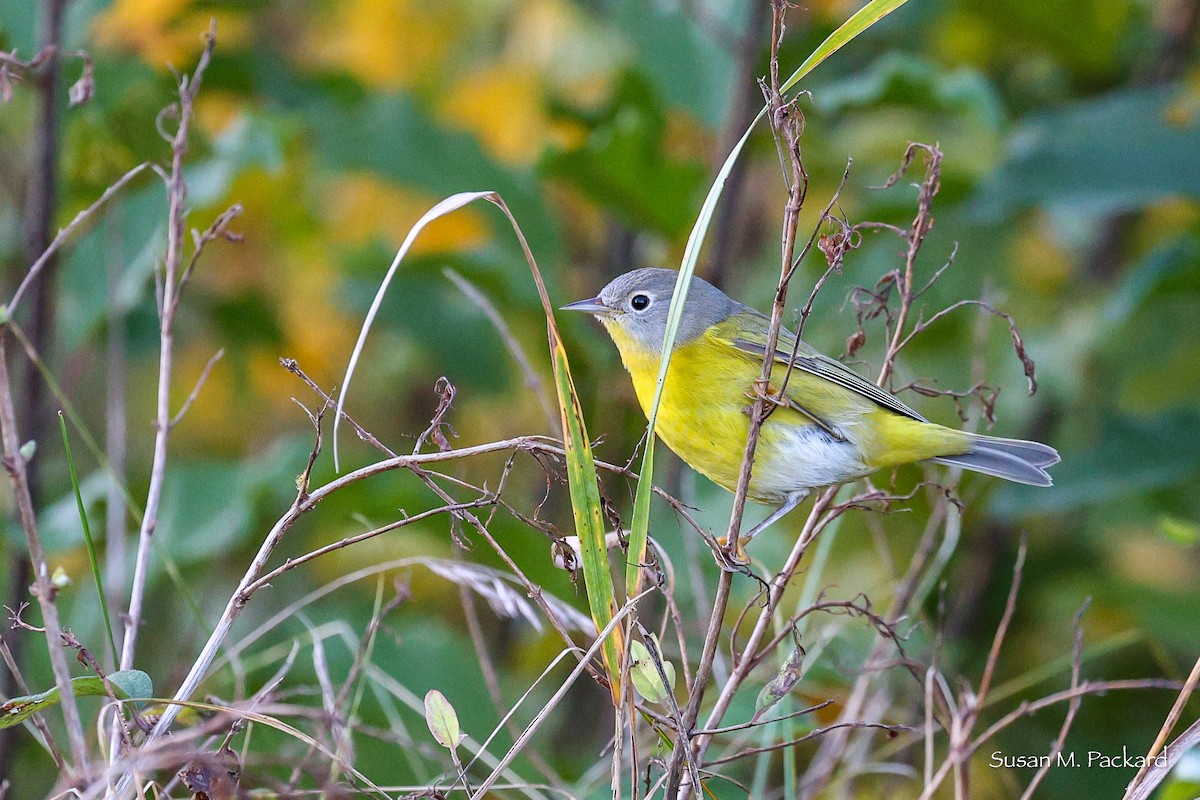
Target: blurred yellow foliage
(361,207)
(216,110)
(1038,261)
(384,43)
(164,32)
(317,335)
(963,37)
(548,46)
(503,107)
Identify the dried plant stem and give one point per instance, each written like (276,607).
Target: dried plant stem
(38,720)
(684,747)
(1072,707)
(748,657)
(915,237)
(169,303)
(786,124)
(1135,787)
(305,501)
(43,589)
(414,462)
(65,233)
(540,717)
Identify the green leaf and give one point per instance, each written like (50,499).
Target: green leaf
(1171,268)
(208,506)
(644,673)
(1183,532)
(441,719)
(251,142)
(128,684)
(908,80)
(132,230)
(680,53)
(18,27)
(1133,456)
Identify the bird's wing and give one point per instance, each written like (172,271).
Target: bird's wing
(747,331)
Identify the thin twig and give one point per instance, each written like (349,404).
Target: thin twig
(1168,725)
(916,237)
(65,233)
(1072,707)
(292,563)
(191,398)
(807,737)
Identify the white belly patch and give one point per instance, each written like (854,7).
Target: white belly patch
(792,458)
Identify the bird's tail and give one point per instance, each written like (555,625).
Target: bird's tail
(1012,459)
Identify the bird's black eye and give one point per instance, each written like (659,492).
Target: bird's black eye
(639,302)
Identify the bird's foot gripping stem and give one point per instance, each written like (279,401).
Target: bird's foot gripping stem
(733,558)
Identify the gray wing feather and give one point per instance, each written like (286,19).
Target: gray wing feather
(823,366)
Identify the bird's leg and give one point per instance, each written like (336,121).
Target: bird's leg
(736,556)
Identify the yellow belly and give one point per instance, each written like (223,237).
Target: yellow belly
(703,418)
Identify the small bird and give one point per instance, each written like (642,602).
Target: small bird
(830,426)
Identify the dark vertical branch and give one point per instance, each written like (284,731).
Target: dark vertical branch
(742,108)
(41,204)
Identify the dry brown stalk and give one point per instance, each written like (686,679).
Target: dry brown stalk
(43,589)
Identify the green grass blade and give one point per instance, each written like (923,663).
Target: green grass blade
(862,19)
(640,526)
(589,521)
(582,481)
(87,536)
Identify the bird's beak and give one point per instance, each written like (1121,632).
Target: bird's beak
(590,306)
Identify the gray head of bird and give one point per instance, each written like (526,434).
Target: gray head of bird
(636,304)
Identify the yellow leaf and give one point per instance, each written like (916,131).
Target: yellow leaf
(384,43)
(503,107)
(362,207)
(164,32)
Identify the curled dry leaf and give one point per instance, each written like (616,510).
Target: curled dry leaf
(82,90)
(782,684)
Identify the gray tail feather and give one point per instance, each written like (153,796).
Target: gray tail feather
(1011,459)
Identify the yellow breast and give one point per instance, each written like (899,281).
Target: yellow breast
(703,414)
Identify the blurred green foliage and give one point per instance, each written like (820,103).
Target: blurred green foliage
(1071,185)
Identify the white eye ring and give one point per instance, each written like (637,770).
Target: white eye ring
(639,302)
